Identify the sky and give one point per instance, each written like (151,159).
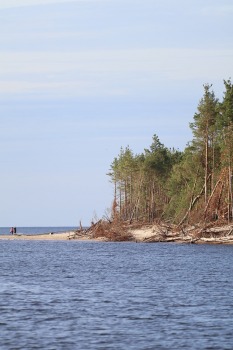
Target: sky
(80,79)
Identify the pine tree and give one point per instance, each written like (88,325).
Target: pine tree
(225,124)
(204,132)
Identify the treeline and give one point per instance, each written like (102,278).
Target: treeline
(181,187)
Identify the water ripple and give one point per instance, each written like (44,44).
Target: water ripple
(79,295)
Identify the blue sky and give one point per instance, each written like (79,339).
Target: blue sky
(79,79)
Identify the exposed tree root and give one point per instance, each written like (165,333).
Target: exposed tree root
(119,231)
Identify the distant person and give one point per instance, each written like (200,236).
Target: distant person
(12,230)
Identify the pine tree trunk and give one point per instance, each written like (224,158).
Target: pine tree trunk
(230,207)
(206,169)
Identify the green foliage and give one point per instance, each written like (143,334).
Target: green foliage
(157,159)
(169,184)
(184,183)
(225,124)
(226,107)
(205,119)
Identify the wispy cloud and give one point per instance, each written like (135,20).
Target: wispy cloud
(104,61)
(4,4)
(218,10)
(59,88)
(109,72)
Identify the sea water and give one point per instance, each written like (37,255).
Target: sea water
(37,230)
(88,295)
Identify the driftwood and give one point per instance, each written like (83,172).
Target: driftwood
(222,234)
(81,232)
(110,230)
(160,232)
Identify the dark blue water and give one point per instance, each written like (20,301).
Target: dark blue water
(86,295)
(36,230)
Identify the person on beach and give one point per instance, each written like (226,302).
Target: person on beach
(12,230)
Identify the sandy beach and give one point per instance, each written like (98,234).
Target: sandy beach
(138,234)
(43,237)
(146,234)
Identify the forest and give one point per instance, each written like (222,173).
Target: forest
(181,187)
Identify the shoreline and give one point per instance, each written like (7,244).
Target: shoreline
(63,236)
(157,233)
